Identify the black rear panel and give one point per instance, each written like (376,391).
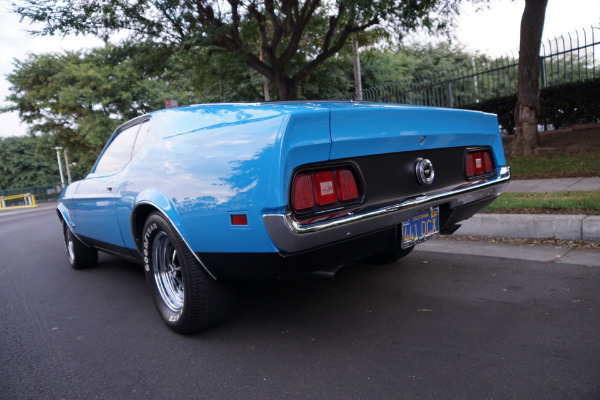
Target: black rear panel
(389,178)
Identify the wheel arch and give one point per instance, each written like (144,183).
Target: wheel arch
(140,213)
(63,214)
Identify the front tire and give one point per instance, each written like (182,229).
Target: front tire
(187,298)
(80,256)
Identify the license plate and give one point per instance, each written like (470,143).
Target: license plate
(420,227)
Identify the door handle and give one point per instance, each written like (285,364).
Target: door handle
(110,187)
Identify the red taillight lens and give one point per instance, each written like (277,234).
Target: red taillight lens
(324,188)
(487,162)
(470,167)
(478,163)
(321,190)
(302,196)
(346,185)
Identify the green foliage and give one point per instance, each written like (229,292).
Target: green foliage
(407,62)
(77,99)
(220,77)
(425,74)
(555,202)
(379,66)
(560,164)
(563,105)
(295,38)
(21,166)
(504,107)
(570,103)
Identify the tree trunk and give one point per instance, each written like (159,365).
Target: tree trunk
(528,100)
(287,89)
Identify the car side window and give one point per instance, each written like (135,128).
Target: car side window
(118,153)
(141,137)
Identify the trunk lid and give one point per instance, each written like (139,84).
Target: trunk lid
(362,129)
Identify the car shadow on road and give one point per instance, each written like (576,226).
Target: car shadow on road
(311,303)
(352,297)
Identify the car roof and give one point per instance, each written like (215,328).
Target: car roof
(289,106)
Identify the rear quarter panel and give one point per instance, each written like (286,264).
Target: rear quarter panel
(203,164)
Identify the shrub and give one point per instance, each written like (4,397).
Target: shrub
(563,105)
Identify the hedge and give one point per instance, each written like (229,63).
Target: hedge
(564,105)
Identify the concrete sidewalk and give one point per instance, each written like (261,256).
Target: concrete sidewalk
(516,251)
(554,185)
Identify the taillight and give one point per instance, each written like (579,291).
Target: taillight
(346,185)
(487,162)
(478,163)
(302,195)
(469,166)
(323,189)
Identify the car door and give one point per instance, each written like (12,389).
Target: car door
(97,196)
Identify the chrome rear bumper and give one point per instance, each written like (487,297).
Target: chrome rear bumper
(291,236)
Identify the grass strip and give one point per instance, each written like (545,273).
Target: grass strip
(570,202)
(556,165)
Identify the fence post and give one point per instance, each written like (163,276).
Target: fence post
(543,72)
(450,99)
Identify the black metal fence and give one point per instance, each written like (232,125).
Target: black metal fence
(564,59)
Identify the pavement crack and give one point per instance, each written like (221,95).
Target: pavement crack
(563,255)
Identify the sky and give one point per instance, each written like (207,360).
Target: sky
(493,31)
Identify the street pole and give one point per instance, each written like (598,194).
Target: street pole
(62,177)
(68,169)
(356,62)
(265,82)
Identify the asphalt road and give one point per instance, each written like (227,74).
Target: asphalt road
(433,326)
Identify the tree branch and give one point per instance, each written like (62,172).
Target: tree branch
(303,17)
(328,52)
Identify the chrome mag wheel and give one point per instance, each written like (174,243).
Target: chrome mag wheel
(187,298)
(80,255)
(167,272)
(70,246)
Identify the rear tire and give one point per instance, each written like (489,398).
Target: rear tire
(80,256)
(389,256)
(187,298)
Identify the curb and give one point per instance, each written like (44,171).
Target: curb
(533,226)
(42,207)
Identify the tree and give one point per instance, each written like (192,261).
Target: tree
(406,62)
(76,99)
(296,37)
(527,109)
(22,166)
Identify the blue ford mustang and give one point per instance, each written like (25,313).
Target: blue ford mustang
(208,194)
